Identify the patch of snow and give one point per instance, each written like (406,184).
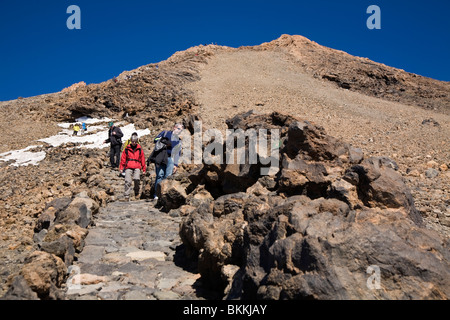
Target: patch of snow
(87,120)
(89,140)
(23,157)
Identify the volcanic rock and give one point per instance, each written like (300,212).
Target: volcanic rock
(325,223)
(20,290)
(44,273)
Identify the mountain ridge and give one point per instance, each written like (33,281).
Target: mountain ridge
(120,95)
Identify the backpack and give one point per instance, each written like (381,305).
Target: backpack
(160,144)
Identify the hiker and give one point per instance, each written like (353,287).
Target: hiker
(115,138)
(166,154)
(131,163)
(83,128)
(76,128)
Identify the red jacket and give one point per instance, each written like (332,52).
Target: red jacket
(132,159)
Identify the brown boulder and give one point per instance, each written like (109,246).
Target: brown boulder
(313,143)
(77,234)
(171,193)
(198,196)
(44,273)
(46,219)
(52,209)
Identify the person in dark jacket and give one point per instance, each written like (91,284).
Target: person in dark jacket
(166,160)
(132,163)
(115,139)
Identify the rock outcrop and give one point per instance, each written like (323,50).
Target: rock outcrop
(56,213)
(44,273)
(59,235)
(314,230)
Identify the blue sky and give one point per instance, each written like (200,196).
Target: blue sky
(39,54)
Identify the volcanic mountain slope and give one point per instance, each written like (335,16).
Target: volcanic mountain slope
(383,110)
(283,76)
(365,76)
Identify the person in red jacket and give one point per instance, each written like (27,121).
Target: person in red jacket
(131,163)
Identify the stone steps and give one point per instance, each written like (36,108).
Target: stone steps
(133,253)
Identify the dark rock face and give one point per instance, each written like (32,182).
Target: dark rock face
(317,229)
(380,185)
(319,249)
(20,290)
(62,248)
(44,273)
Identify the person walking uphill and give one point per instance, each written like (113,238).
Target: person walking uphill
(115,138)
(83,128)
(132,162)
(166,154)
(76,128)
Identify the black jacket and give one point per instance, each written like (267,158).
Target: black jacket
(161,156)
(114,139)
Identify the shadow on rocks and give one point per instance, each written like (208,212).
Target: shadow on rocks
(188,262)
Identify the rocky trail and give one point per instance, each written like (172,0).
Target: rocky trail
(133,252)
(130,254)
